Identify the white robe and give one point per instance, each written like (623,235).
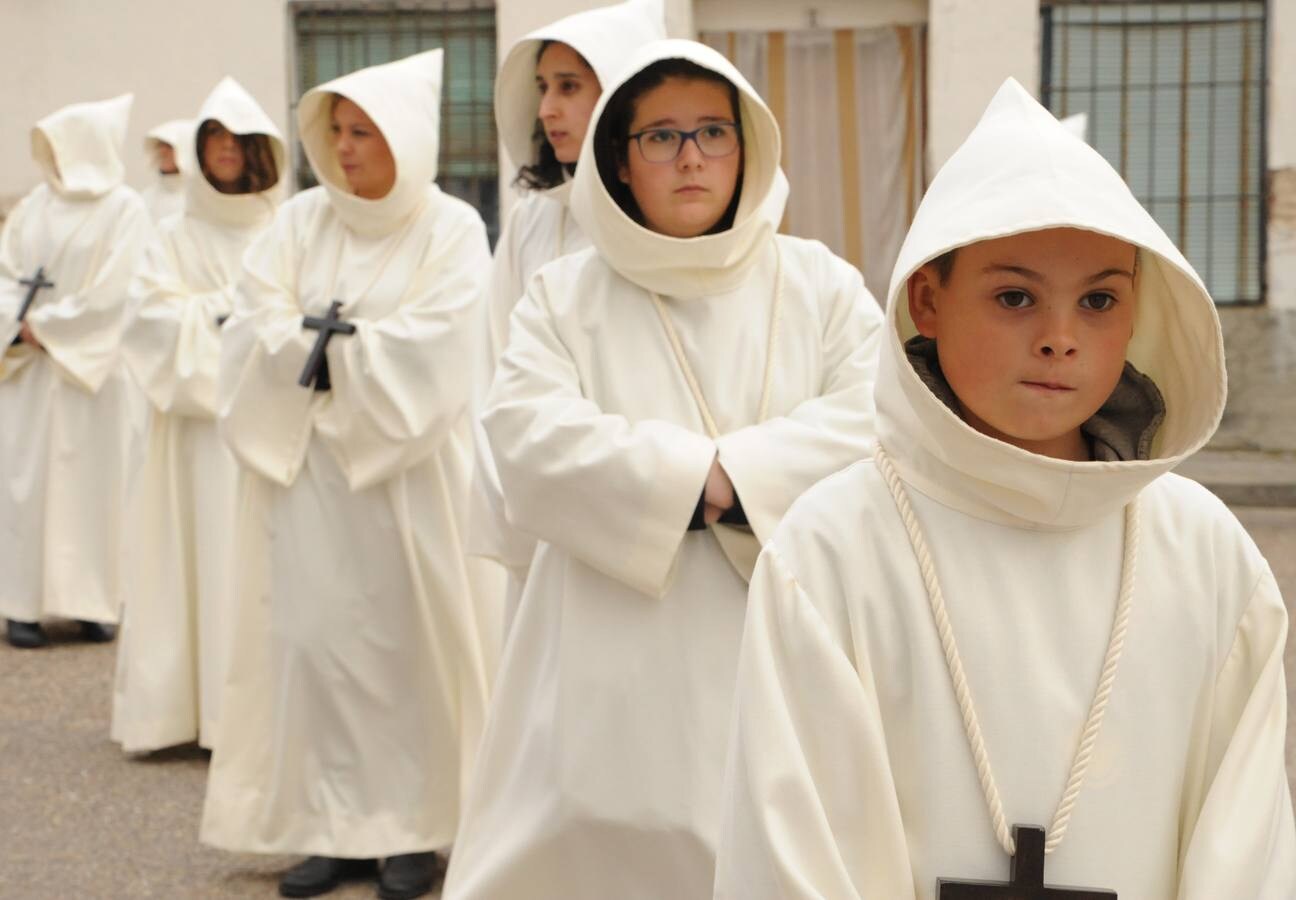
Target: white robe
(851,774)
(180,568)
(164,197)
(356,634)
(852,777)
(180,565)
(603,757)
(74,425)
(540,228)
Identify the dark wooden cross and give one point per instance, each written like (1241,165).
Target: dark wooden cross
(34,284)
(1026,877)
(316,369)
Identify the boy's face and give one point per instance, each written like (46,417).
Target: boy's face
(1031,331)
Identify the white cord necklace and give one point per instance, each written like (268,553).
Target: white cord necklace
(971,724)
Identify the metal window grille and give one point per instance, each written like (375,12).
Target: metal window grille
(1175,96)
(334,37)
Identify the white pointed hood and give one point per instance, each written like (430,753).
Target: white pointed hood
(231,105)
(178,133)
(687,267)
(404,100)
(606,37)
(1021,170)
(79,147)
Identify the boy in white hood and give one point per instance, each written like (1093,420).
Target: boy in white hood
(1014,614)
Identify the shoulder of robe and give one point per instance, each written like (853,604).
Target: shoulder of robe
(1200,532)
(819,266)
(451,214)
(534,211)
(577,280)
(840,514)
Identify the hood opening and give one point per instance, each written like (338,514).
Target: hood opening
(612,148)
(261,168)
(546,172)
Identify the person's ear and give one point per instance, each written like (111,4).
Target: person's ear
(623,172)
(922,288)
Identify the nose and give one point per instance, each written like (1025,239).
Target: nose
(1058,338)
(342,144)
(690,155)
(548,106)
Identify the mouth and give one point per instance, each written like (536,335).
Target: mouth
(1049,387)
(349,167)
(690,189)
(556,137)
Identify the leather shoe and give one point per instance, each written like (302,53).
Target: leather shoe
(321,874)
(408,875)
(97,632)
(26,634)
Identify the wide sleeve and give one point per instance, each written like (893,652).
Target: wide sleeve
(809,808)
(263,414)
(1242,844)
(172,343)
(11,270)
(401,383)
(82,330)
(616,494)
(774,462)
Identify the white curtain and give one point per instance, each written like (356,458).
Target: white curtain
(850,104)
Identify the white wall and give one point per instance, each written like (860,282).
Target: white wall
(169,53)
(970,54)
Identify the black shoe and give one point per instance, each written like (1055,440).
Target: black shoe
(408,875)
(321,874)
(26,635)
(97,632)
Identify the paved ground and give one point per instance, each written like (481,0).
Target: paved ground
(79,820)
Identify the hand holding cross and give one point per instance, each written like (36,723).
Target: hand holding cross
(34,284)
(316,369)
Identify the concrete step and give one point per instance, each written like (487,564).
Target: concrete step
(1245,477)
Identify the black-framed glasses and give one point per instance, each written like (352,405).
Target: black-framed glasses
(663,145)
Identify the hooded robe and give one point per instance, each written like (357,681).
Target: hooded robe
(72,426)
(353,704)
(540,229)
(165,195)
(180,564)
(600,770)
(851,774)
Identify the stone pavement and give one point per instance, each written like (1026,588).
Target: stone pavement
(80,820)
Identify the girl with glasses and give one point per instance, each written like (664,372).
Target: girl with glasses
(663,398)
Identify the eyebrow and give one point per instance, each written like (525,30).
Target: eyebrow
(1106,273)
(1036,276)
(577,75)
(659,123)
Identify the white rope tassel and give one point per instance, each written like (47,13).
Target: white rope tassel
(963,693)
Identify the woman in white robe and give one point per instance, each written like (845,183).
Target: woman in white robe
(72,426)
(852,775)
(353,704)
(697,351)
(168,147)
(179,565)
(548,85)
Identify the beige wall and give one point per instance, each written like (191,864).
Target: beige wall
(971,53)
(169,53)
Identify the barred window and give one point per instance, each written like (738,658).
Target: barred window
(1175,98)
(334,37)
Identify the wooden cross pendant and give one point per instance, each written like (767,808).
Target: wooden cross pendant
(316,371)
(1026,877)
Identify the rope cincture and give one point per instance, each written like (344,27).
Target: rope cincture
(971,724)
(776,319)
